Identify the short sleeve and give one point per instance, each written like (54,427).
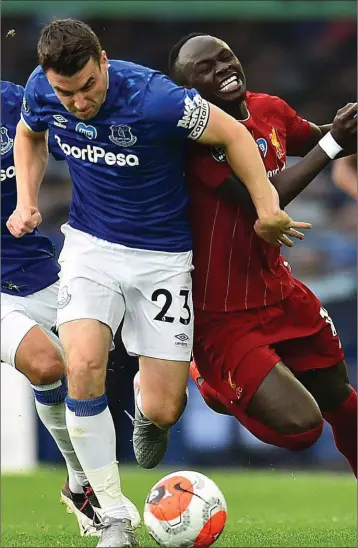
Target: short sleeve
(31,106)
(178,112)
(298,129)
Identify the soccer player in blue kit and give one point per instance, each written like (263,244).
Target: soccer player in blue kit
(29,287)
(127,252)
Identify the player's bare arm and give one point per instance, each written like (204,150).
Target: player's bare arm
(31,157)
(273,224)
(317,132)
(290,182)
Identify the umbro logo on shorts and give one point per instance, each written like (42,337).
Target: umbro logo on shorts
(182,337)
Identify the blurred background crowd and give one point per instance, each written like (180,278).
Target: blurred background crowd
(310,61)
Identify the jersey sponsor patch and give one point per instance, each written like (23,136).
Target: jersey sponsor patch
(93,154)
(89,131)
(262,144)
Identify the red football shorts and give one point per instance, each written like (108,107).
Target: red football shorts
(234,351)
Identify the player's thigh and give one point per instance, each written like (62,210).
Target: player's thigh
(282,403)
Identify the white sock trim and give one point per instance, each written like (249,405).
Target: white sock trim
(45,387)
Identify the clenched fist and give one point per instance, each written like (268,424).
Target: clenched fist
(23,220)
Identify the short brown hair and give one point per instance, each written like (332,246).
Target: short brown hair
(66,46)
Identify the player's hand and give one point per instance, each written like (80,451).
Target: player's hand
(344,127)
(279,229)
(23,221)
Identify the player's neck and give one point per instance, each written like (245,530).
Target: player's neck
(237,110)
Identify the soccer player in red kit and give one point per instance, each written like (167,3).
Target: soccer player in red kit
(266,351)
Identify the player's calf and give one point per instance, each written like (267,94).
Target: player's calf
(163,390)
(160,399)
(338,402)
(89,421)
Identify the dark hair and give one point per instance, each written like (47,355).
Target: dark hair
(66,46)
(174,52)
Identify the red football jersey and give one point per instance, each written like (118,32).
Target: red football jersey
(234,268)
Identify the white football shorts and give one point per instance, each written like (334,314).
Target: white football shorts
(20,314)
(151,291)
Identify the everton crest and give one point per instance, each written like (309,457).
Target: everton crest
(122,136)
(6,141)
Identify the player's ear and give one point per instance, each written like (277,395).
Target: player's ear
(103,59)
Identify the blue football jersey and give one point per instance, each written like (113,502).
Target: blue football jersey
(27,263)
(126,163)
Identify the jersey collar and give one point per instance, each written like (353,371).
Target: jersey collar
(114,81)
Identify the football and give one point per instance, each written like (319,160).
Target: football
(185,509)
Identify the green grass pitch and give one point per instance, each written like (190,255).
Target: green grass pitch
(264,508)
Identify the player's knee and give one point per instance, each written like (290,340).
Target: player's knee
(47,368)
(302,420)
(304,440)
(80,366)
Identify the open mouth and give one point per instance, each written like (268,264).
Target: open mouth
(232,83)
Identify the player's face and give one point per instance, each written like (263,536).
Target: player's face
(209,65)
(83,93)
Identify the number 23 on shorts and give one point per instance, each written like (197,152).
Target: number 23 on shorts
(164,298)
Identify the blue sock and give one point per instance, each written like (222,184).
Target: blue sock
(87,408)
(51,394)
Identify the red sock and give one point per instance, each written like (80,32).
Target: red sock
(343,421)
